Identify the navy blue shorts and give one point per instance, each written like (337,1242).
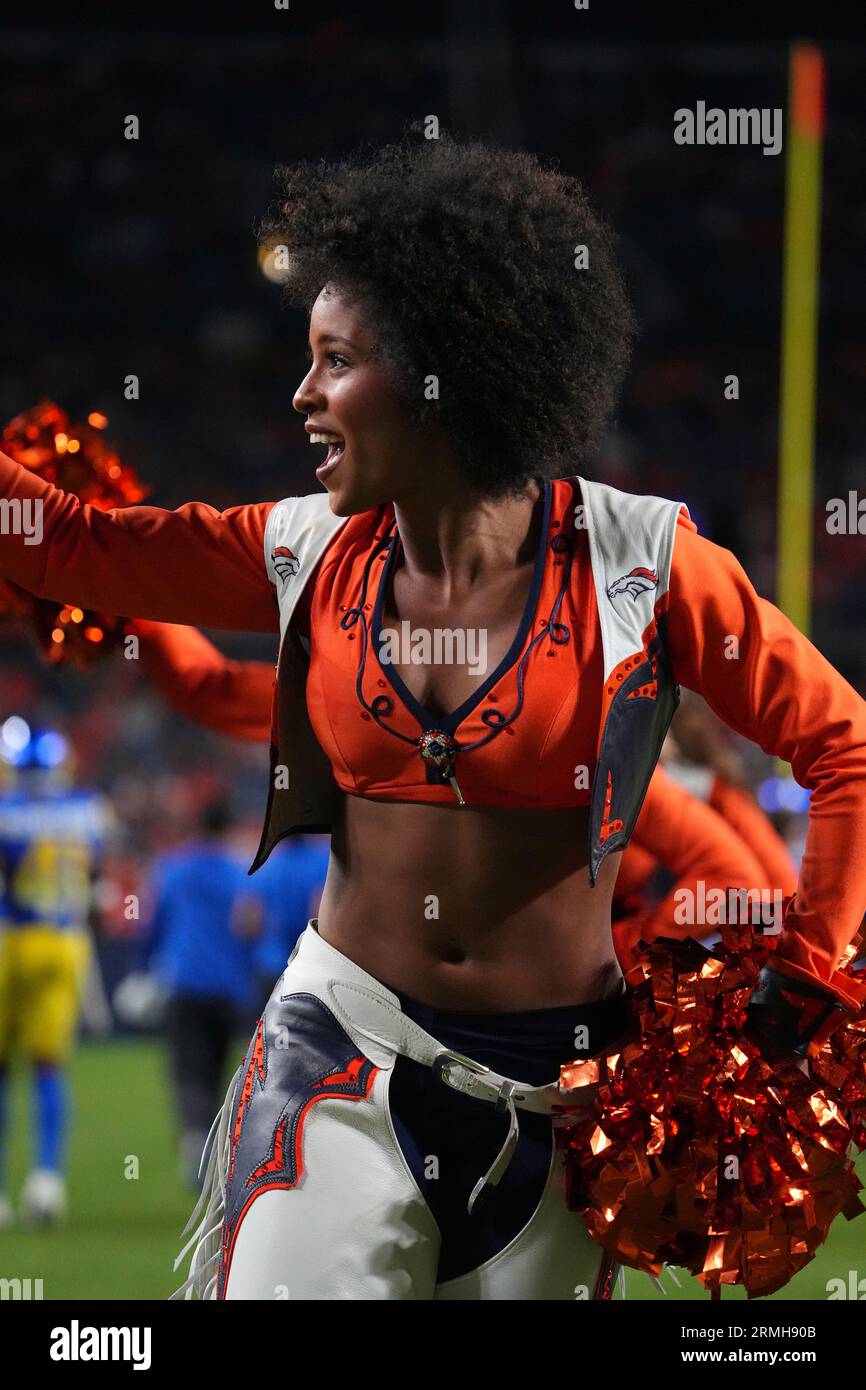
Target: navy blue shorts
(450,1139)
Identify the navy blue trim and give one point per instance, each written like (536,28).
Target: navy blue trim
(631,742)
(448,723)
(281,1083)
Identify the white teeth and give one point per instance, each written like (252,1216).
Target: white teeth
(325,439)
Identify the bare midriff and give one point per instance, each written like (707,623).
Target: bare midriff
(471,908)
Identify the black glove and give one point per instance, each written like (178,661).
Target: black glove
(784,1015)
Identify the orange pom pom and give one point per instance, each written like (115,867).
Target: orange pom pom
(78,459)
(695,1150)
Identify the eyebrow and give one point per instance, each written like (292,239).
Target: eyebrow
(334,338)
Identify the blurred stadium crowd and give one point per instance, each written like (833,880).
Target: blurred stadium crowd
(139,256)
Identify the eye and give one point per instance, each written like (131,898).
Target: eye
(334,358)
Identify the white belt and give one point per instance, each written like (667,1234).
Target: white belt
(361,1011)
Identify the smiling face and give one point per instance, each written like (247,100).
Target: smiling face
(371,452)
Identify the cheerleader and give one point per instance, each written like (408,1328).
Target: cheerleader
(389,1135)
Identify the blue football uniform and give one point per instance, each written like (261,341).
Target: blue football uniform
(290,885)
(195,948)
(50,844)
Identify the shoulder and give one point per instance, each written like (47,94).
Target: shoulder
(701,569)
(631,541)
(308,508)
(297,525)
(96,810)
(606,505)
(175,864)
(301,529)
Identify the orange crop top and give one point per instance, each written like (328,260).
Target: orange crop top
(527,737)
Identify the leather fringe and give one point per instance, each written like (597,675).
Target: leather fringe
(206,1220)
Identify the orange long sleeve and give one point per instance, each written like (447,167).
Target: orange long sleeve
(688,837)
(739,808)
(769,683)
(194,565)
(635,868)
(230,697)
(691,838)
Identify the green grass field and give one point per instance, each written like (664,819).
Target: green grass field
(123,1232)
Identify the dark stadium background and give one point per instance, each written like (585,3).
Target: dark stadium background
(140,257)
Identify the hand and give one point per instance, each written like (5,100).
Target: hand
(772,1052)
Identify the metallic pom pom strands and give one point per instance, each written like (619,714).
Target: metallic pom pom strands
(686,1146)
(77,458)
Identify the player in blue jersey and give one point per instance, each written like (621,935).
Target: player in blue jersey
(51,838)
(289,887)
(201,948)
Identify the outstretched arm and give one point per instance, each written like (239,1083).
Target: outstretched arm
(194,565)
(231,697)
(769,683)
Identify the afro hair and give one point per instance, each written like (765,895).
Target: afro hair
(468,260)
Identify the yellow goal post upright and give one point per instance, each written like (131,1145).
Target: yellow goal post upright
(806,119)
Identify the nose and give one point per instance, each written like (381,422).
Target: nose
(309,395)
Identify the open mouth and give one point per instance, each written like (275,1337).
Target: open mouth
(336,445)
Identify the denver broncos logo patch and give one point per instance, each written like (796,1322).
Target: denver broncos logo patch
(285,562)
(637,581)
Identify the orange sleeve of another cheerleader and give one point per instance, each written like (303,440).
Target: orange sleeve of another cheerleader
(231,697)
(635,868)
(769,683)
(194,565)
(741,811)
(691,839)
